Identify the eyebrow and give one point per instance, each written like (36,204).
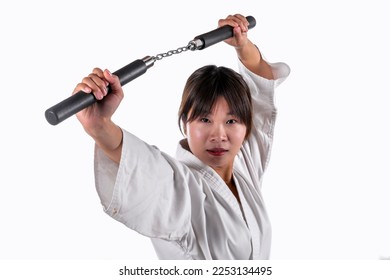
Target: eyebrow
(208,113)
(230,114)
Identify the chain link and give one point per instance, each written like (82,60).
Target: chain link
(160,56)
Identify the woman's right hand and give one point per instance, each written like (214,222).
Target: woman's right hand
(94,116)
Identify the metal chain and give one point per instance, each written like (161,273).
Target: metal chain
(160,56)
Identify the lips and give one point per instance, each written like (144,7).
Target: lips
(217,152)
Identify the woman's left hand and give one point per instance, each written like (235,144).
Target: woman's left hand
(240,29)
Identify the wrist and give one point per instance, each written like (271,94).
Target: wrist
(106,134)
(248,53)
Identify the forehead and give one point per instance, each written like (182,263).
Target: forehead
(220,106)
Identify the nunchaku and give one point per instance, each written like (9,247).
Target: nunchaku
(81,100)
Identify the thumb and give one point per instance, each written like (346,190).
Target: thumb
(113,80)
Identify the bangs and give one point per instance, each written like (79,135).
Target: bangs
(206,85)
(207,96)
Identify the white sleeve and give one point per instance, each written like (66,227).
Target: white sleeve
(256,150)
(147,191)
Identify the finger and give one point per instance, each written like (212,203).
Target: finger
(110,78)
(235,21)
(114,82)
(82,87)
(242,21)
(100,81)
(98,72)
(96,84)
(239,35)
(229,20)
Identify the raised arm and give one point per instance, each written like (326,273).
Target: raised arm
(247,52)
(96,119)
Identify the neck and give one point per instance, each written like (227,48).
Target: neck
(225,173)
(227,176)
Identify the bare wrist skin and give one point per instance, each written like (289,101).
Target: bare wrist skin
(251,57)
(108,136)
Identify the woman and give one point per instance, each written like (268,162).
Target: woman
(206,203)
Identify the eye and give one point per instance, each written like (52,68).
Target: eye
(204,120)
(232,121)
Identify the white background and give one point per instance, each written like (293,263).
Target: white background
(327,186)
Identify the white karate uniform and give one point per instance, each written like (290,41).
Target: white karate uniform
(182,204)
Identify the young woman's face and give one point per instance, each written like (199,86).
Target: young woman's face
(217,137)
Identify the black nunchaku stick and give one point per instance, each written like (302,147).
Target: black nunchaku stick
(81,100)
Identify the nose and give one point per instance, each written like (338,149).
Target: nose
(218,133)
